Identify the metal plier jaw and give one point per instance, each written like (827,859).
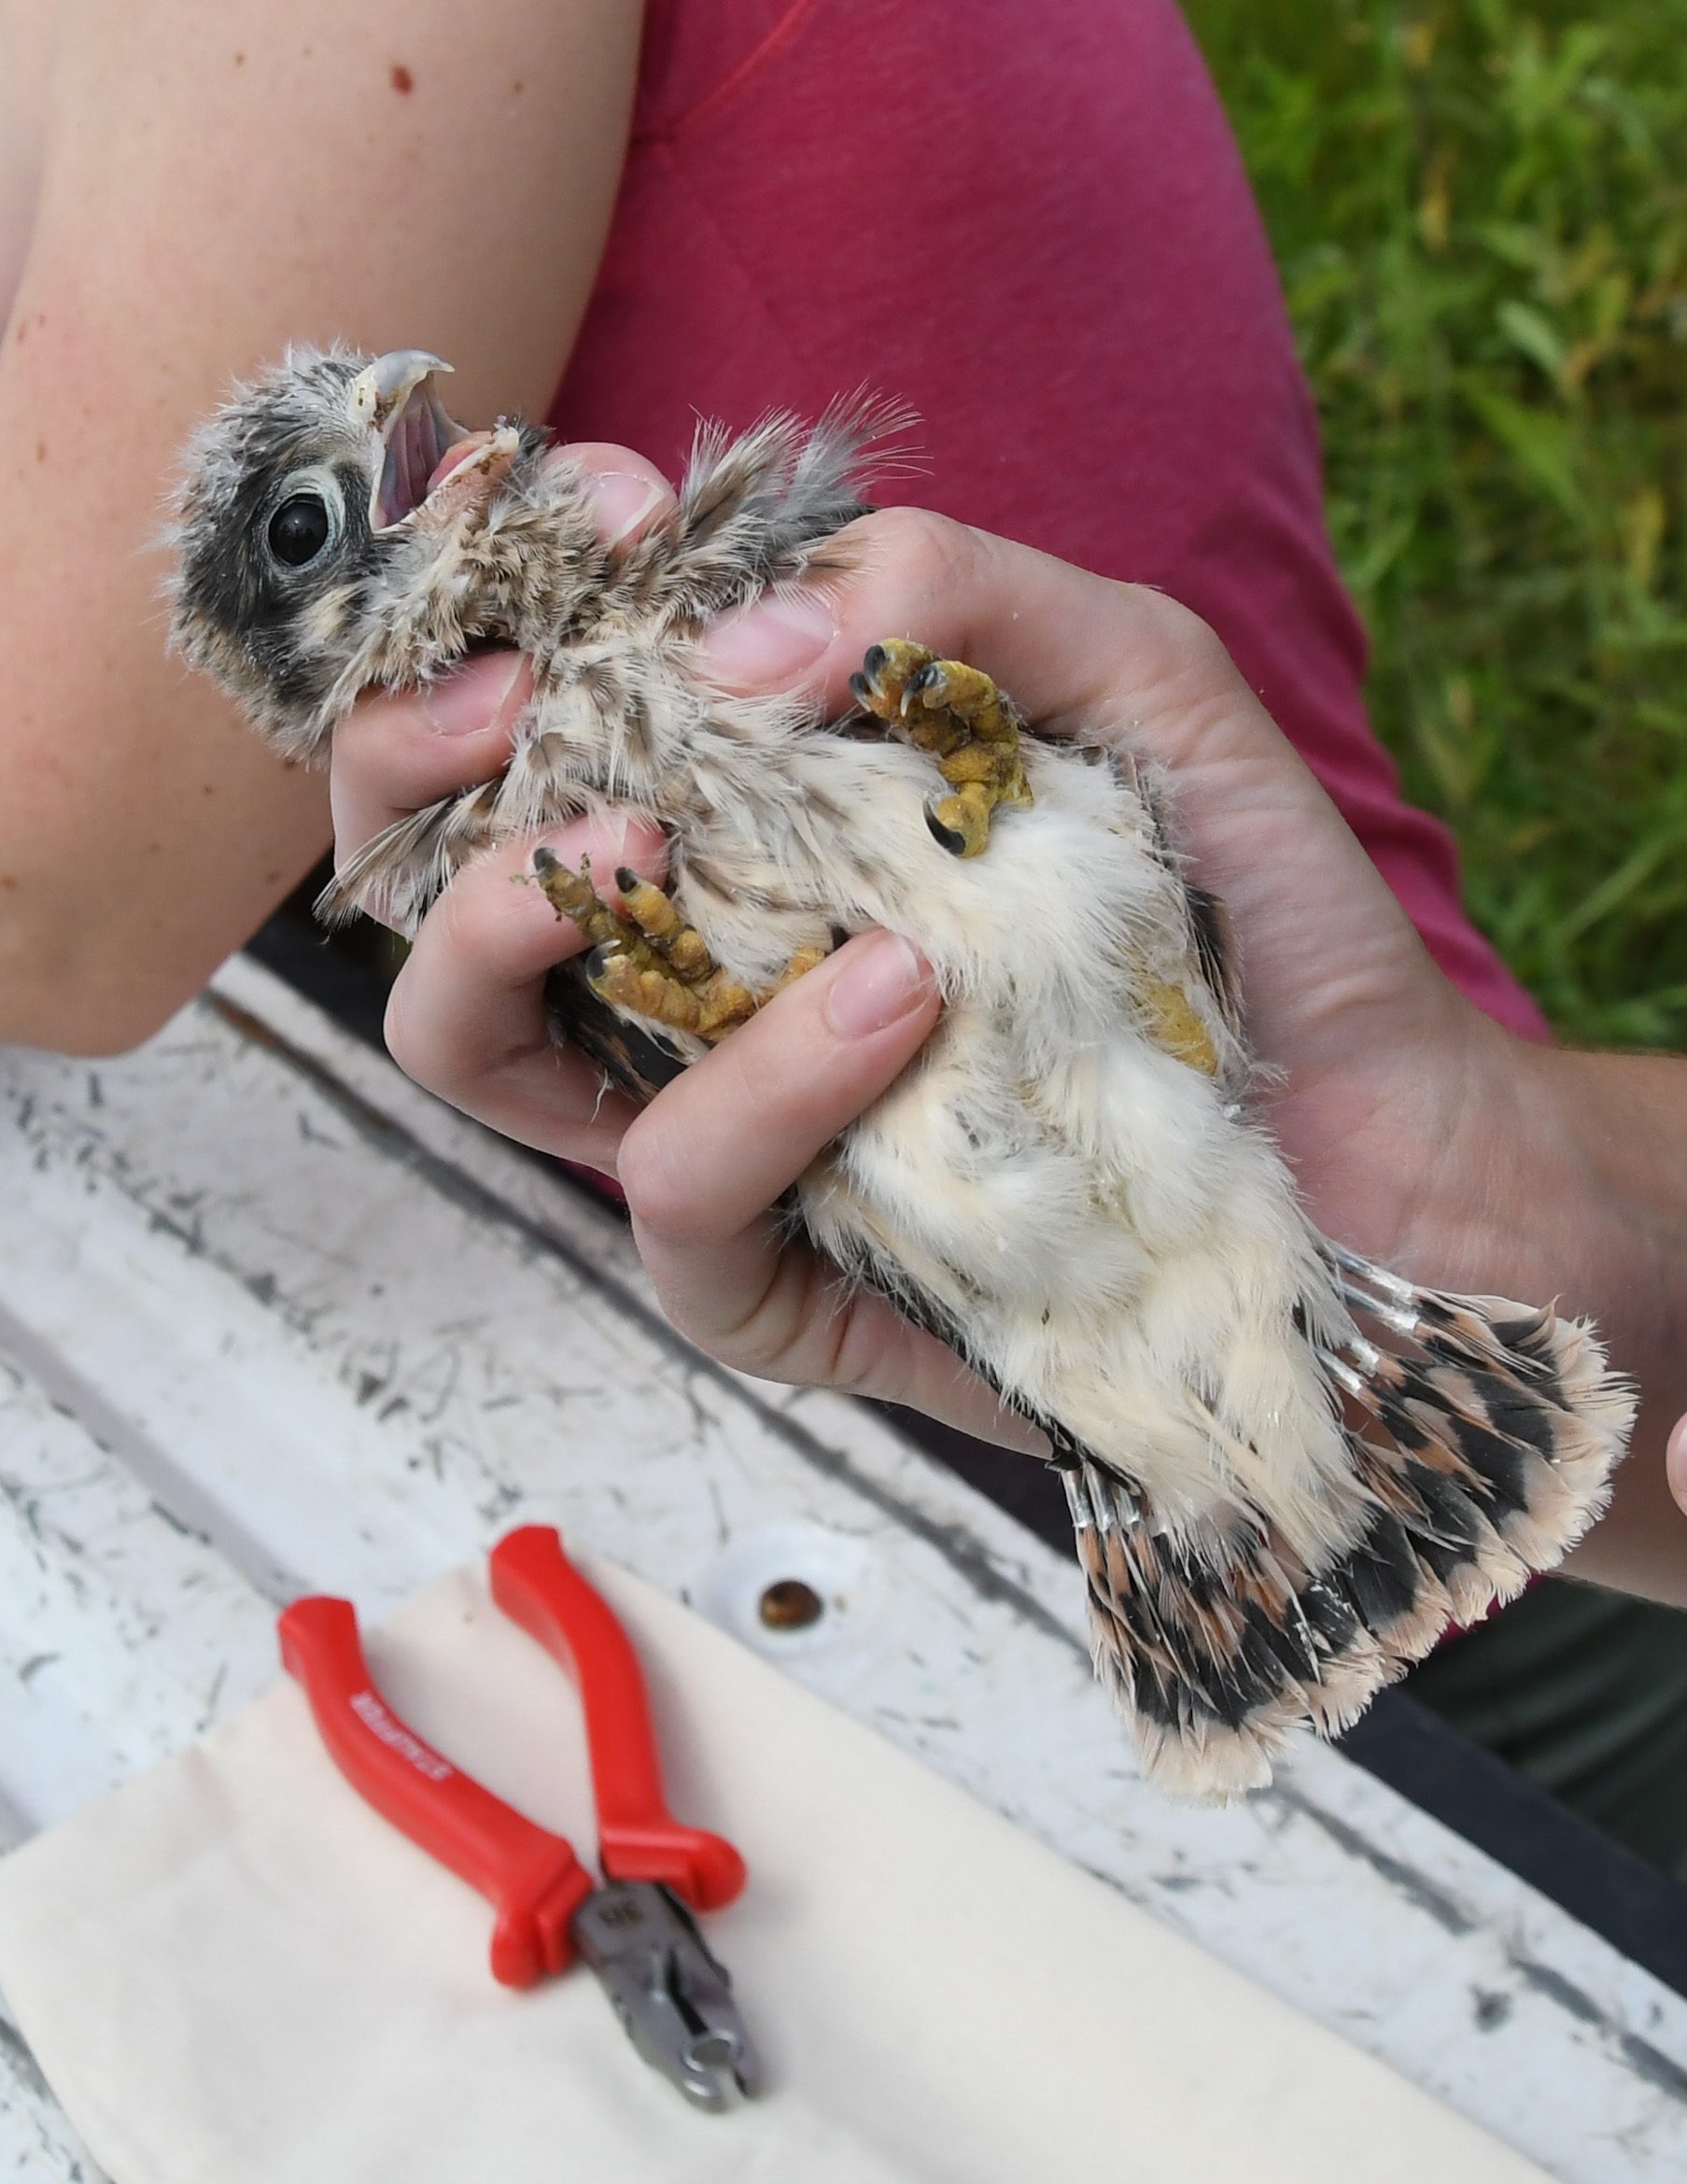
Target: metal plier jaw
(671,1993)
(636,1929)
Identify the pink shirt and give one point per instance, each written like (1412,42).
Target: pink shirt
(1031,223)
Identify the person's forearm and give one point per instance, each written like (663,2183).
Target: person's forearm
(122,886)
(25,45)
(1602,1187)
(192,219)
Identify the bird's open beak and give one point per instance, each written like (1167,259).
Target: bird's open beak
(418,443)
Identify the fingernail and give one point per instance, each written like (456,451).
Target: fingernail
(770,641)
(474,697)
(884,978)
(621,500)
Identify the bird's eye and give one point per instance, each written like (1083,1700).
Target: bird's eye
(300,529)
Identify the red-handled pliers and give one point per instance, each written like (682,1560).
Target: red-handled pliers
(633,1930)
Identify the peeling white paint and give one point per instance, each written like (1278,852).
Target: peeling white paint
(308,1328)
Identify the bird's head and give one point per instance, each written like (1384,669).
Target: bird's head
(313,514)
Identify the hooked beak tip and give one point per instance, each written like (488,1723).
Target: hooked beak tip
(412,438)
(381,389)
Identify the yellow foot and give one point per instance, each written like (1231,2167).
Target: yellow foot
(647,960)
(1172,1023)
(681,945)
(960,716)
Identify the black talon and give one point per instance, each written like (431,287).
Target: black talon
(945,836)
(873,660)
(545,861)
(626,879)
(863,692)
(598,963)
(922,678)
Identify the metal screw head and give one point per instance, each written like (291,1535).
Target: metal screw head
(788,1603)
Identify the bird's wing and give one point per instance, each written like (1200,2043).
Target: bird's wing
(630,1050)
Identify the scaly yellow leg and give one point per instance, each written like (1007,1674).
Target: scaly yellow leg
(957,713)
(647,960)
(1174,1024)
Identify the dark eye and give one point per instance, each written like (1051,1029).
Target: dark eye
(300,529)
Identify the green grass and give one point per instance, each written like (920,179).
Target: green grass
(1480,213)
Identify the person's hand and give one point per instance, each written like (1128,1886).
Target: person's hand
(466,1016)
(275,182)
(1421,1132)
(1343,999)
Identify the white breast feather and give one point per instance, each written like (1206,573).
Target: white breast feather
(1097,1218)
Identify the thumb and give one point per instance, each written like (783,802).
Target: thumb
(1676,1464)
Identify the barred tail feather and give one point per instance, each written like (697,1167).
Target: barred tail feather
(1482,1437)
(1513,1409)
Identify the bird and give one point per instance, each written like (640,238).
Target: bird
(1289,1469)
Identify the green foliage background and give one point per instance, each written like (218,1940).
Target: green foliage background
(1480,212)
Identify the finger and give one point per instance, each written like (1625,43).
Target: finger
(396,755)
(723,1141)
(703,1164)
(1676,1464)
(803,1323)
(467,1017)
(627,491)
(1069,645)
(1072,649)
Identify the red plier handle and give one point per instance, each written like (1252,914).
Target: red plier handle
(532,1878)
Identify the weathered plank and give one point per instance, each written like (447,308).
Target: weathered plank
(348,1338)
(121,1628)
(37,2145)
(50,1466)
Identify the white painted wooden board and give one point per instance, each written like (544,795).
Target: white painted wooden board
(37,2145)
(305,1329)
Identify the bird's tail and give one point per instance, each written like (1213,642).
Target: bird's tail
(1482,1436)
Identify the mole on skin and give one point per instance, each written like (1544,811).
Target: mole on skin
(402,81)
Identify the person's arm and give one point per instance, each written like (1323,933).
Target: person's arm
(1422,1134)
(1597,1190)
(213,184)
(25,41)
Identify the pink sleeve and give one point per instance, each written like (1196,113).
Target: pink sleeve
(1034,227)
(694,51)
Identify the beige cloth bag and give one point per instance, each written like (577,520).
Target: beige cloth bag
(234,1973)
